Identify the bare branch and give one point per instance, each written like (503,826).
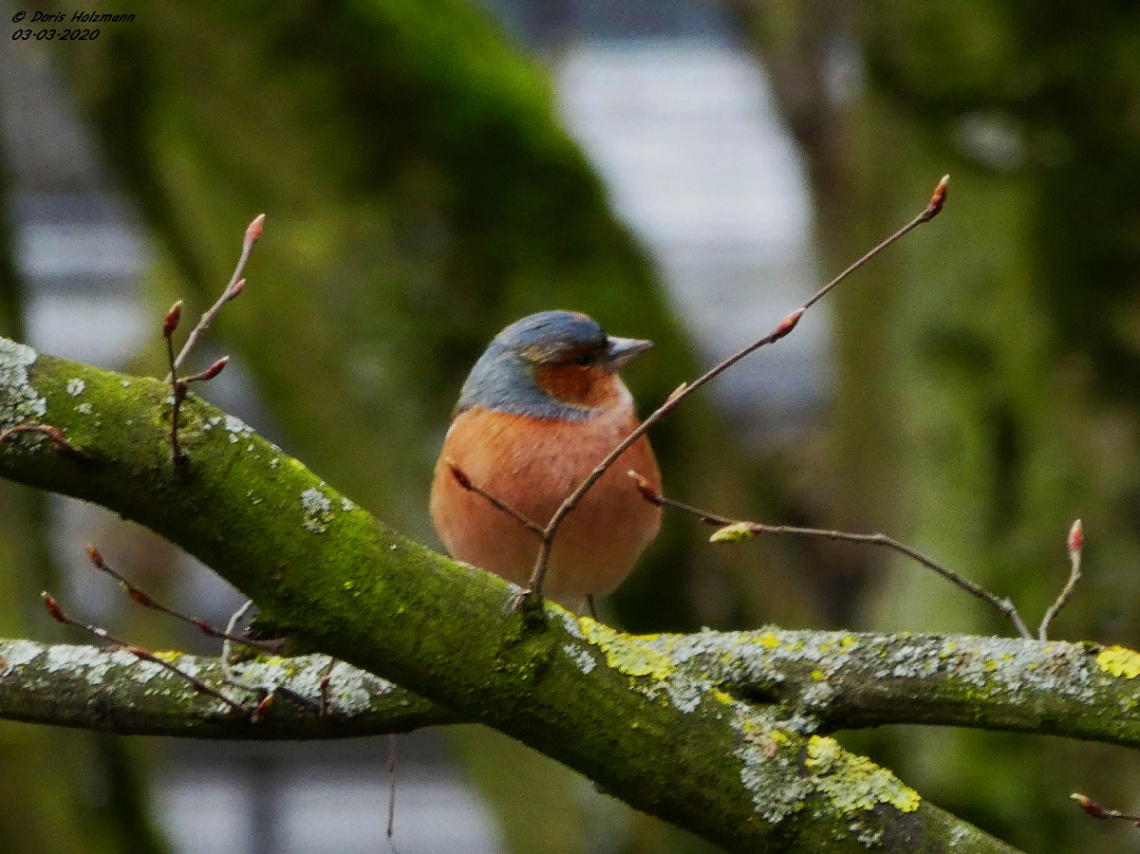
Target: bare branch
(234,287)
(53,433)
(57,613)
(1076,543)
(464,481)
(141,597)
(177,386)
(735,531)
(108,690)
(1097,811)
(534,586)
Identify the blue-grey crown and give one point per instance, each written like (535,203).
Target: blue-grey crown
(503,378)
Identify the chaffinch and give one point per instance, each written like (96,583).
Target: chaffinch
(541,408)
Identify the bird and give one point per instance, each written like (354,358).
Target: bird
(540,409)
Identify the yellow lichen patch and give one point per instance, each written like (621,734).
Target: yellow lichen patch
(822,752)
(625,654)
(768,641)
(168,655)
(1119,662)
(853,783)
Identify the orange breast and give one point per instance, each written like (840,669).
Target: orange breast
(533,464)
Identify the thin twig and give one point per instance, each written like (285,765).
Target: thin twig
(177,386)
(734,530)
(230,636)
(1075,543)
(534,586)
(325,685)
(234,287)
(393,753)
(143,598)
(464,481)
(53,433)
(227,651)
(198,685)
(1097,811)
(231,675)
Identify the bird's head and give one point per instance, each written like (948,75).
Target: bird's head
(554,364)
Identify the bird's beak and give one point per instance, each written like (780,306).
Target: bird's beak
(621,350)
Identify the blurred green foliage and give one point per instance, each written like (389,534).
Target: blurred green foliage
(420,194)
(988,388)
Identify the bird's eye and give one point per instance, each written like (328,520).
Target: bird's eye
(583,359)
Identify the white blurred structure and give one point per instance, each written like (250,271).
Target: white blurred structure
(689,143)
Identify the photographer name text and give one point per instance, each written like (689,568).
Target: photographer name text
(78,18)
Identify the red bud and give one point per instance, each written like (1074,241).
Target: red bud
(1076,538)
(937,200)
(1090,806)
(643,486)
(238,287)
(254,229)
(172,319)
(53,608)
(215,368)
(139,652)
(787,324)
(96,558)
(460,476)
(205,628)
(262,708)
(140,597)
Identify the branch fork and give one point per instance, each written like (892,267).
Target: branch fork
(547,532)
(179,386)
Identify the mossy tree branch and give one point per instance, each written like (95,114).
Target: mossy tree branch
(111,690)
(823,681)
(630,714)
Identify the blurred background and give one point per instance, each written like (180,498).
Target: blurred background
(683,170)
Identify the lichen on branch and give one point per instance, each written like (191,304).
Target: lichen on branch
(629,713)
